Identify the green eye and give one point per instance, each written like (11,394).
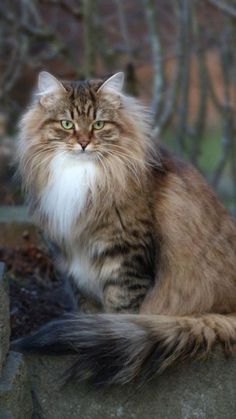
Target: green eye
(67,124)
(98,125)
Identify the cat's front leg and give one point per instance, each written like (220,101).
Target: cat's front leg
(127,277)
(85,303)
(125,296)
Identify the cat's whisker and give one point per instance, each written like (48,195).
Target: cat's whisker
(32,162)
(151,149)
(115,174)
(122,155)
(147,163)
(127,157)
(126,162)
(104,167)
(33,165)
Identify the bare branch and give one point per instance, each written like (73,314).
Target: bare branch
(199,125)
(224,7)
(226,149)
(75,11)
(185,22)
(227,112)
(89,37)
(13,73)
(158,70)
(124,29)
(28,26)
(173,89)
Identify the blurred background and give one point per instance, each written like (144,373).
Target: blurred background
(179,57)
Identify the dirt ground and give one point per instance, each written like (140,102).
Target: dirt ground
(36,289)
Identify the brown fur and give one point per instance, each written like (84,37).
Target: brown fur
(197,265)
(153,231)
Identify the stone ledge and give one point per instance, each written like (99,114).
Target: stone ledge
(5,414)
(4,317)
(14,214)
(15,393)
(194,390)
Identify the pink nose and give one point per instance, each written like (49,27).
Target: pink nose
(83,142)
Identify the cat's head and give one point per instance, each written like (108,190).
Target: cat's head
(84,121)
(83,118)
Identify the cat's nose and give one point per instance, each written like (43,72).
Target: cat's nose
(83,142)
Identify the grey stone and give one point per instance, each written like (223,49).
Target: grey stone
(15,392)
(4,317)
(10,214)
(193,390)
(5,414)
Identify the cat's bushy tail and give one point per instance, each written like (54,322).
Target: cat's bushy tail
(122,348)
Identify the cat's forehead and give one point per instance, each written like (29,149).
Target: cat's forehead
(83,100)
(80,92)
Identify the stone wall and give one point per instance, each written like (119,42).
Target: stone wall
(15,391)
(31,387)
(191,391)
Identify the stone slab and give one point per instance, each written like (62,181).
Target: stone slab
(193,390)
(5,414)
(14,213)
(15,392)
(4,317)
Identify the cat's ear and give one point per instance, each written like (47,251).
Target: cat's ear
(49,88)
(115,83)
(47,84)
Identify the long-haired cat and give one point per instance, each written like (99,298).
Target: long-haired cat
(142,234)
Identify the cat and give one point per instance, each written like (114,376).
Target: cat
(142,234)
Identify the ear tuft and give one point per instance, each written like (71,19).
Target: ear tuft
(47,84)
(115,83)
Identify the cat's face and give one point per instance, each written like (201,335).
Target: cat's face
(89,127)
(85,119)
(89,120)
(82,118)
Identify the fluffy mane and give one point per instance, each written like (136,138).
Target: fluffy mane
(60,181)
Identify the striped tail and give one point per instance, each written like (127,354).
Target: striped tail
(122,348)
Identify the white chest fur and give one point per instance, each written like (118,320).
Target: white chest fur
(91,277)
(64,198)
(85,276)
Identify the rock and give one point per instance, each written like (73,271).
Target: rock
(7,150)
(14,214)
(194,390)
(15,393)
(5,414)
(4,317)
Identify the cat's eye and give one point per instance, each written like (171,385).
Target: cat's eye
(66,124)
(98,125)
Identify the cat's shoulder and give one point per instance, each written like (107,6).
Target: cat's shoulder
(178,187)
(170,166)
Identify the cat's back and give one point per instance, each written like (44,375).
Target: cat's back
(186,207)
